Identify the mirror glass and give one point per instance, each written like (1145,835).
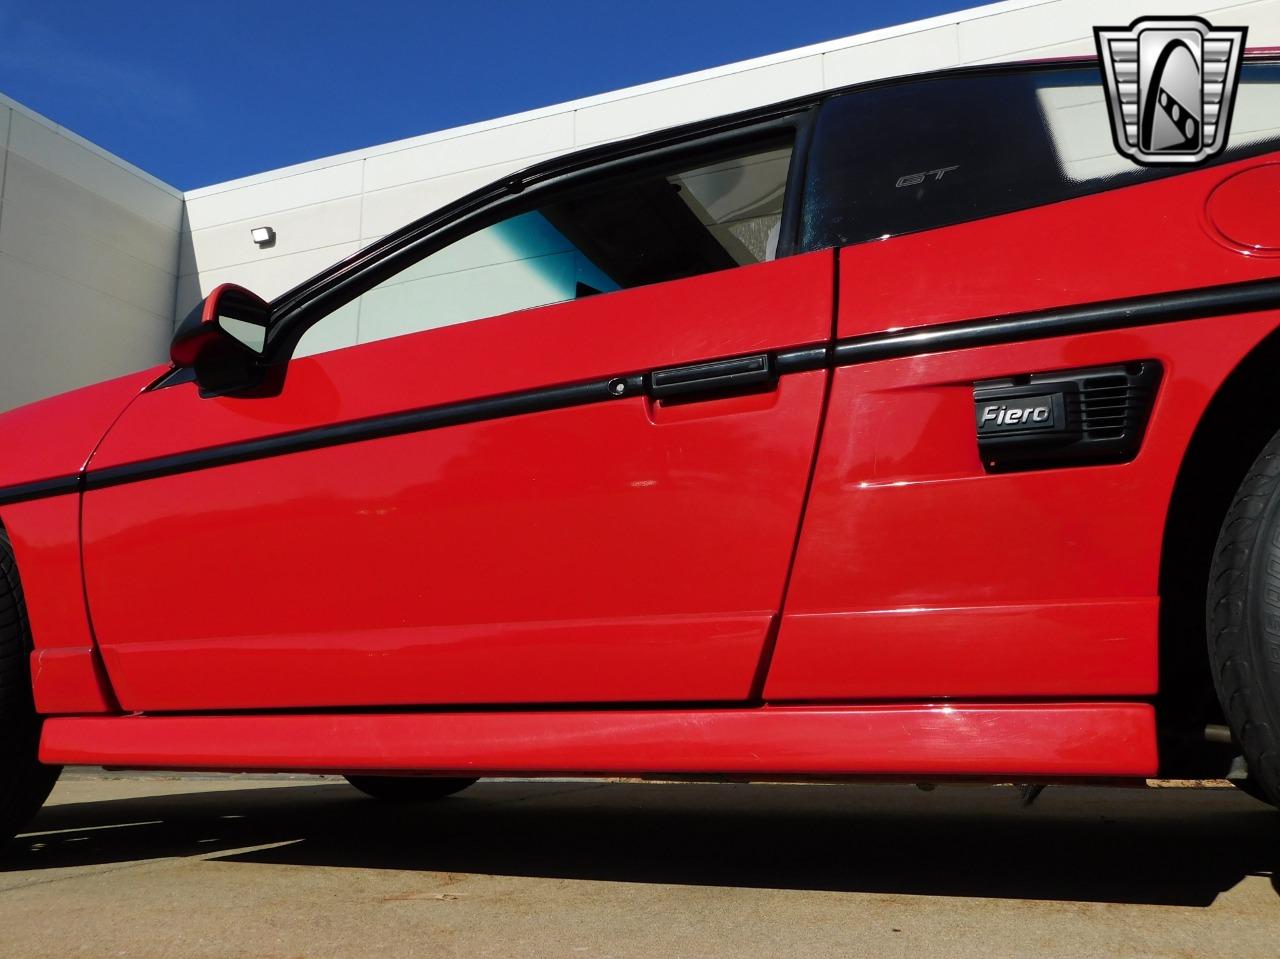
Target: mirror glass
(252,335)
(243,316)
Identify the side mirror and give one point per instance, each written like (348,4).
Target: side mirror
(222,339)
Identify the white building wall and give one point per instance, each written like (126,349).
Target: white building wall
(328,208)
(88,260)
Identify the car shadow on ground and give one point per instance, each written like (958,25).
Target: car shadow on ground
(1083,844)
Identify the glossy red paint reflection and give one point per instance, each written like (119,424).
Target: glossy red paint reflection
(619,551)
(973,740)
(1097,648)
(919,574)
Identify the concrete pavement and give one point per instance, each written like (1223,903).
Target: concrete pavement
(237,866)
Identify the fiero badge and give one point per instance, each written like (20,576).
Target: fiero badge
(1022,414)
(1171,84)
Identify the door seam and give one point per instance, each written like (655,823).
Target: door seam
(756,692)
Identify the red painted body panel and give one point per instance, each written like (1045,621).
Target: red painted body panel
(45,534)
(55,437)
(48,439)
(66,674)
(903,525)
(1104,648)
(65,671)
(70,682)
(619,551)
(1231,212)
(919,574)
(981,740)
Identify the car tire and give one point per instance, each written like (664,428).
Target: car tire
(406,789)
(1244,623)
(24,782)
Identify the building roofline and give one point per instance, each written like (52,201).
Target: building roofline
(625,93)
(141,174)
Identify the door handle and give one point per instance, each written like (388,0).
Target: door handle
(719,376)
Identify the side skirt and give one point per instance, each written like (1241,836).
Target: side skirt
(961,740)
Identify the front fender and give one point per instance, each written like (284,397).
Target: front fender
(55,437)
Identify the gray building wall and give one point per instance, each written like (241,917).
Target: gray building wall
(88,260)
(98,259)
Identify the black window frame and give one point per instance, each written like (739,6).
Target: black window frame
(670,151)
(296,310)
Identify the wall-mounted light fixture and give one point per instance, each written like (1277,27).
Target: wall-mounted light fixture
(264,236)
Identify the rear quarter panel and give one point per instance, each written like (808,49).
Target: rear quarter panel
(919,574)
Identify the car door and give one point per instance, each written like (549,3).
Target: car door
(500,475)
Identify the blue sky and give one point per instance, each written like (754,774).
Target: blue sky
(196,93)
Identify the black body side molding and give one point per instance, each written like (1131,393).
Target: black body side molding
(40,489)
(1251,297)
(1225,300)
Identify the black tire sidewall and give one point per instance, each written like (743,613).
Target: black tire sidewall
(1244,621)
(1262,609)
(25,783)
(1262,636)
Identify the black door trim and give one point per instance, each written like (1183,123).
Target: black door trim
(376,427)
(1254,296)
(1202,303)
(40,489)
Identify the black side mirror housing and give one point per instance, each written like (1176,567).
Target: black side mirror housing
(223,340)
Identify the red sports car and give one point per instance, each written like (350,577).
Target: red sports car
(902,431)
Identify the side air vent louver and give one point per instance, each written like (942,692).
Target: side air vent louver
(1067,418)
(1110,406)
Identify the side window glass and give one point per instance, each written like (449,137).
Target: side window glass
(665,226)
(921,154)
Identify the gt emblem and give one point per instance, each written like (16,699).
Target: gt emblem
(1171,84)
(912,179)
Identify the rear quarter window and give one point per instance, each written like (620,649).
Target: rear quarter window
(919,154)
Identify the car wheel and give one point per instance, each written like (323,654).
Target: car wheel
(24,782)
(408,788)
(1244,623)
